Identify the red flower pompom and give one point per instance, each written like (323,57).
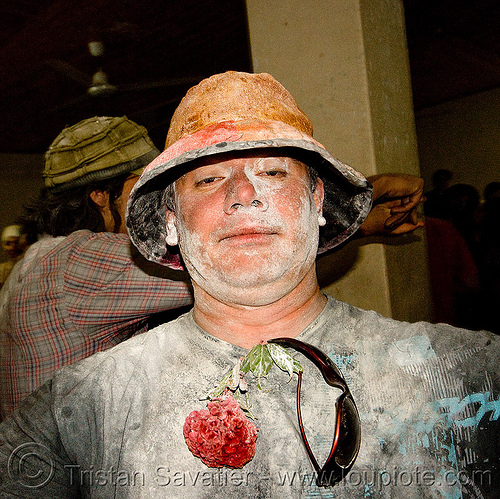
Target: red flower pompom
(221,435)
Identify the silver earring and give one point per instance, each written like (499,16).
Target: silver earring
(321,220)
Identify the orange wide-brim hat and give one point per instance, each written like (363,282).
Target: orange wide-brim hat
(229,113)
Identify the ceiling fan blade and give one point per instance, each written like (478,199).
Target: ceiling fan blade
(169,82)
(65,105)
(70,71)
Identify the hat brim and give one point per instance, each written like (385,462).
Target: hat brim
(348,195)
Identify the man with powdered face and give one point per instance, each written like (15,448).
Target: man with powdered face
(267,387)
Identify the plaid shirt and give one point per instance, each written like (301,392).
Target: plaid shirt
(69,298)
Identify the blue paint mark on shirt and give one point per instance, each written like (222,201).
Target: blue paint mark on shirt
(454,407)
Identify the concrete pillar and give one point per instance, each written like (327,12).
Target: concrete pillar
(346,63)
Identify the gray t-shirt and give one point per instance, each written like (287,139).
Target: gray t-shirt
(427,397)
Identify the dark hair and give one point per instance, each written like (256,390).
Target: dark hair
(62,213)
(442,175)
(460,200)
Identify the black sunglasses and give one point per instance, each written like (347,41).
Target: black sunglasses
(347,437)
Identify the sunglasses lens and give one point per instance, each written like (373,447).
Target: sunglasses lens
(350,435)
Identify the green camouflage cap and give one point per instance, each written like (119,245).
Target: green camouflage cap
(96,149)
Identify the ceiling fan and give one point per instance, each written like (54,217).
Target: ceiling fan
(98,85)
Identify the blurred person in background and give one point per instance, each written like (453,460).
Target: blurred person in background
(454,276)
(441,180)
(489,256)
(461,206)
(80,289)
(13,248)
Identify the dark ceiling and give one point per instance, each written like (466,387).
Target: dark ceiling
(454,48)
(154,50)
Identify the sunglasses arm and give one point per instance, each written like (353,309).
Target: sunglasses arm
(331,473)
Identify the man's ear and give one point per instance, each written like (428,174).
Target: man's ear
(100,198)
(319,195)
(172,238)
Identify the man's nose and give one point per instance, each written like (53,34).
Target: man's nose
(242,193)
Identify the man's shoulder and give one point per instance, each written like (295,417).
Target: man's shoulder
(79,250)
(49,245)
(92,255)
(395,359)
(88,238)
(368,326)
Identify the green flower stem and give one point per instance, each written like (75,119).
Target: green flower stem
(259,362)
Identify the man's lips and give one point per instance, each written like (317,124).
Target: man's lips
(248,233)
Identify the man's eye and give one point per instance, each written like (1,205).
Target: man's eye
(275,173)
(205,181)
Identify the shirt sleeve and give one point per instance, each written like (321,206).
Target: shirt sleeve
(105,283)
(33,462)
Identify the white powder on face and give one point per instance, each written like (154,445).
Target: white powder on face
(256,274)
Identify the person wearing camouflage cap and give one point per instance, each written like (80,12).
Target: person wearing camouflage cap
(78,290)
(344,402)
(89,169)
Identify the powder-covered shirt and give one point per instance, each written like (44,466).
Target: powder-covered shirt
(70,297)
(112,425)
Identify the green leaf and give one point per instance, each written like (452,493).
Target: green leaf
(245,363)
(296,366)
(221,386)
(244,402)
(234,379)
(283,359)
(260,362)
(245,366)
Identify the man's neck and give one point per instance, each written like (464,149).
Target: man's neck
(247,326)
